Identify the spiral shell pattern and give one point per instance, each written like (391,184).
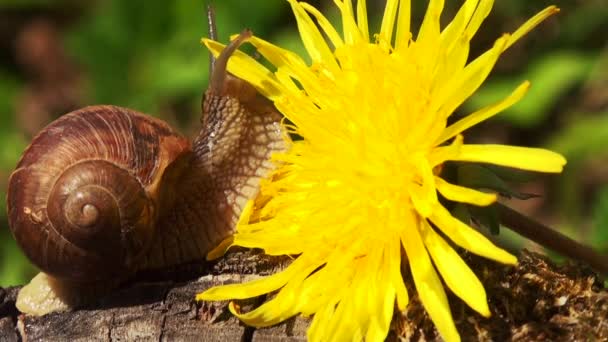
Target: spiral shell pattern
(85,197)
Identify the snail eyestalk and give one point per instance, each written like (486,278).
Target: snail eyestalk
(212,33)
(218,74)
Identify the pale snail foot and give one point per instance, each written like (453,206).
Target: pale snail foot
(39,297)
(45,294)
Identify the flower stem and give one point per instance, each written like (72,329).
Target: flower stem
(551,238)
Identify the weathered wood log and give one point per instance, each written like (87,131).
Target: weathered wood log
(535,300)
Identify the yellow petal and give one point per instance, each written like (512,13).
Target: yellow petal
(454,60)
(481,13)
(525,158)
(312,39)
(347,323)
(484,113)
(394,261)
(270,313)
(346,328)
(281,307)
(366,300)
(403,25)
(456,38)
(441,154)
(314,295)
(388,293)
(328,285)
(259,286)
(382,299)
(279,57)
(456,27)
(531,24)
(388,22)
(284,305)
(362,19)
(247,68)
(429,287)
(469,238)
(220,249)
(461,86)
(246,213)
(424,196)
(462,194)
(291,88)
(327,27)
(318,328)
(455,43)
(350,29)
(455,272)
(430,24)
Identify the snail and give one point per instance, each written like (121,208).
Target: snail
(104,191)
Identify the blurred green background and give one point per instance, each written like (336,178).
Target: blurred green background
(59,55)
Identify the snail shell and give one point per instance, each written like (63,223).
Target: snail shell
(105,192)
(86,195)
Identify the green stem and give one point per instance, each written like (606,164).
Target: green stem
(551,238)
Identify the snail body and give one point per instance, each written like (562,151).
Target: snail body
(105,191)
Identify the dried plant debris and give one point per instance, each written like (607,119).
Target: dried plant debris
(534,301)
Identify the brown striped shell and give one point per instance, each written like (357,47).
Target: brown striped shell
(86,195)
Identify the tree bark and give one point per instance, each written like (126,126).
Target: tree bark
(534,300)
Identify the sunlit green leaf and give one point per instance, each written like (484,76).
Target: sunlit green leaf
(487,217)
(551,76)
(585,137)
(599,236)
(477,176)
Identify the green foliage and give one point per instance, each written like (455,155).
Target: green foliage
(141,54)
(599,233)
(26,3)
(487,177)
(500,180)
(582,20)
(136,52)
(14,267)
(487,217)
(585,137)
(552,76)
(11,142)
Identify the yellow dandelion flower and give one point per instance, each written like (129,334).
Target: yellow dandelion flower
(363,182)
